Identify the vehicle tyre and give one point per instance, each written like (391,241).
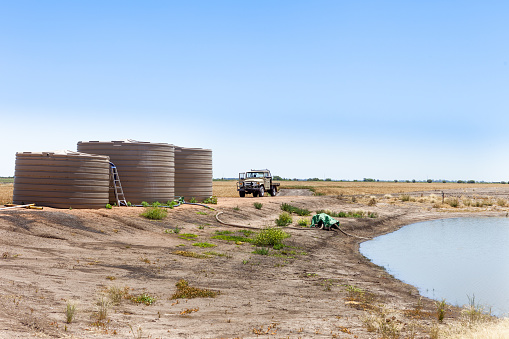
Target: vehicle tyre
(255,194)
(262,191)
(273,191)
(242,194)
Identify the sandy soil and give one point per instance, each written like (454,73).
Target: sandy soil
(53,256)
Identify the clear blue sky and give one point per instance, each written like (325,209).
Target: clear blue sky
(341,89)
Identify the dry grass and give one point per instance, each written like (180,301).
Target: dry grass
(492,330)
(229,188)
(5,193)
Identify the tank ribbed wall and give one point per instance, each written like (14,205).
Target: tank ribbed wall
(146,170)
(61,179)
(193,173)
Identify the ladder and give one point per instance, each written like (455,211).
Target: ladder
(117,186)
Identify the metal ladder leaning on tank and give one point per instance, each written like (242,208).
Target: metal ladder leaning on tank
(117,186)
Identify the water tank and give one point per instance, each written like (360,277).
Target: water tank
(61,179)
(193,173)
(146,170)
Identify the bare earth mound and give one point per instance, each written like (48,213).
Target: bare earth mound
(317,286)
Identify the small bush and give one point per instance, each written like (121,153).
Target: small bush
(192,200)
(501,202)
(155,213)
(145,204)
(302,222)
(156,204)
(143,299)
(453,202)
(372,202)
(258,205)
(270,236)
(184,291)
(108,206)
(284,219)
(261,251)
(405,197)
(212,200)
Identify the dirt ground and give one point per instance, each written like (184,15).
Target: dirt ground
(318,286)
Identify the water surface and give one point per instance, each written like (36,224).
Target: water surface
(450,258)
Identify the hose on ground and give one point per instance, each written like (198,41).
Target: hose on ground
(290,227)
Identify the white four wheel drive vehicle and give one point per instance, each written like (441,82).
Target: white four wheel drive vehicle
(256,182)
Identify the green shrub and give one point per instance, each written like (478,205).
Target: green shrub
(284,219)
(270,236)
(156,204)
(258,205)
(302,222)
(155,213)
(145,204)
(143,299)
(292,209)
(212,200)
(192,200)
(108,206)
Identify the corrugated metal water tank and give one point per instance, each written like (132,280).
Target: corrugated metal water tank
(193,173)
(61,179)
(146,170)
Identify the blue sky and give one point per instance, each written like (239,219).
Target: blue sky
(340,89)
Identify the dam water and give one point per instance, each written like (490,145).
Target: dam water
(451,259)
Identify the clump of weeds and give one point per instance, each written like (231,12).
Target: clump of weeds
(116,294)
(143,299)
(204,244)
(212,200)
(405,197)
(258,205)
(441,310)
(270,236)
(188,236)
(102,307)
(453,202)
(155,213)
(190,254)
(293,209)
(303,222)
(261,251)
(70,311)
(284,219)
(230,236)
(184,291)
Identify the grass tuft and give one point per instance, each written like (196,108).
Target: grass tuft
(70,312)
(155,213)
(184,291)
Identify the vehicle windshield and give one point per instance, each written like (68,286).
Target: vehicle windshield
(254,174)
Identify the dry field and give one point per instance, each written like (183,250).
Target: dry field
(229,188)
(5,193)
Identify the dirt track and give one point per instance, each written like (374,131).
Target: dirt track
(53,256)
